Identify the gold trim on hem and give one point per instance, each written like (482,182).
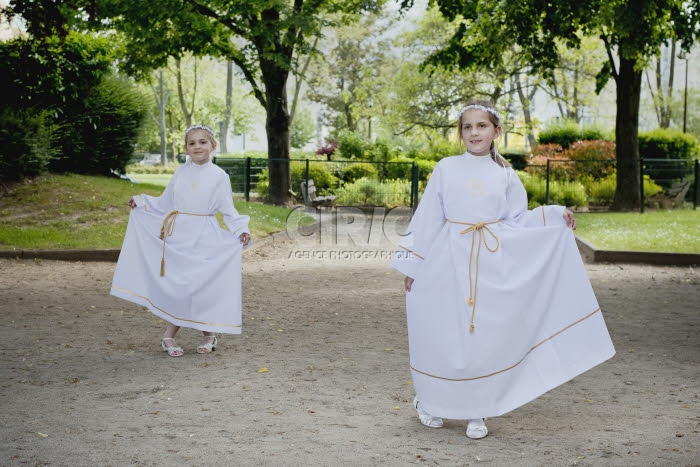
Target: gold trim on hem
(514,365)
(175,317)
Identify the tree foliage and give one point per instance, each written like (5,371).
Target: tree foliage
(264,38)
(631,31)
(89,115)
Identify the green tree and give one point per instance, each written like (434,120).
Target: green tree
(631,31)
(262,37)
(303,129)
(339,79)
(572,83)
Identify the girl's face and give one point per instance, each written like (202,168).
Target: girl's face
(200,146)
(478,131)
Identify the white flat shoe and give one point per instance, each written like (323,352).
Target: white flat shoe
(476,428)
(425,418)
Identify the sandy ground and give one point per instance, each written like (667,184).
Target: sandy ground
(320,374)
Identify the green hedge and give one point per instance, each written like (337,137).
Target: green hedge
(668,144)
(27,143)
(567,132)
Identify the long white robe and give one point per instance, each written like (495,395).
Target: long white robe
(536,321)
(201,263)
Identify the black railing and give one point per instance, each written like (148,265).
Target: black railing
(355,183)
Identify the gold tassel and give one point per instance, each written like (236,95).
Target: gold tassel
(162,267)
(471,328)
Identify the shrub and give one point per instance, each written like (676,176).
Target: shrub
(561,168)
(351,145)
(594,157)
(26,143)
(563,193)
(321,174)
(371,192)
(668,144)
(328,148)
(566,132)
(517,159)
(401,167)
(351,172)
(601,191)
(567,193)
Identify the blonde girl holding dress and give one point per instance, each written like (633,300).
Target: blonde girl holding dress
(176,260)
(499,305)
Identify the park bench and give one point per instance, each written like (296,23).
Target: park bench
(672,197)
(311,199)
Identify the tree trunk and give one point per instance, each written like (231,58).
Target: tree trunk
(181,92)
(162,99)
(629,82)
(525,105)
(277,128)
(223,137)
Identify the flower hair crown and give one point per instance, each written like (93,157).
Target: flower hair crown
(482,108)
(199,127)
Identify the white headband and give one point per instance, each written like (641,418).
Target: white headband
(482,108)
(199,127)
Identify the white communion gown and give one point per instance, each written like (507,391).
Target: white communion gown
(501,308)
(177,261)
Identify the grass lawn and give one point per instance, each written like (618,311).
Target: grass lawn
(77,211)
(152,179)
(673,231)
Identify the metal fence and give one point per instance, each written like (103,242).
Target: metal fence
(592,183)
(589,184)
(354,183)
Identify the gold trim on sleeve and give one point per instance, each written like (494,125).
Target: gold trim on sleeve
(514,365)
(544,220)
(411,251)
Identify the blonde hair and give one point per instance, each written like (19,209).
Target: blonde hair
(494,118)
(208,131)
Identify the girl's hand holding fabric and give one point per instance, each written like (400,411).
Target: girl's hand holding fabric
(408,282)
(569,218)
(245,238)
(131,203)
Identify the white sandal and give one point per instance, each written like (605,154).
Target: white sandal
(425,418)
(173,350)
(476,428)
(208,347)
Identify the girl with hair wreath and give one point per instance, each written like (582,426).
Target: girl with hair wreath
(176,260)
(499,305)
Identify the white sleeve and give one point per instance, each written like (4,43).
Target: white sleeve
(426,224)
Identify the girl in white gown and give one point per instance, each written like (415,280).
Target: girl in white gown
(499,305)
(176,260)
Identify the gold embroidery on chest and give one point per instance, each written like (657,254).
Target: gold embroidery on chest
(475,186)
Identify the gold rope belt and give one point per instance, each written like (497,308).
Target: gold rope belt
(480,228)
(166,230)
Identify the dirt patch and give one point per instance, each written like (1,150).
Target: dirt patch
(320,374)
